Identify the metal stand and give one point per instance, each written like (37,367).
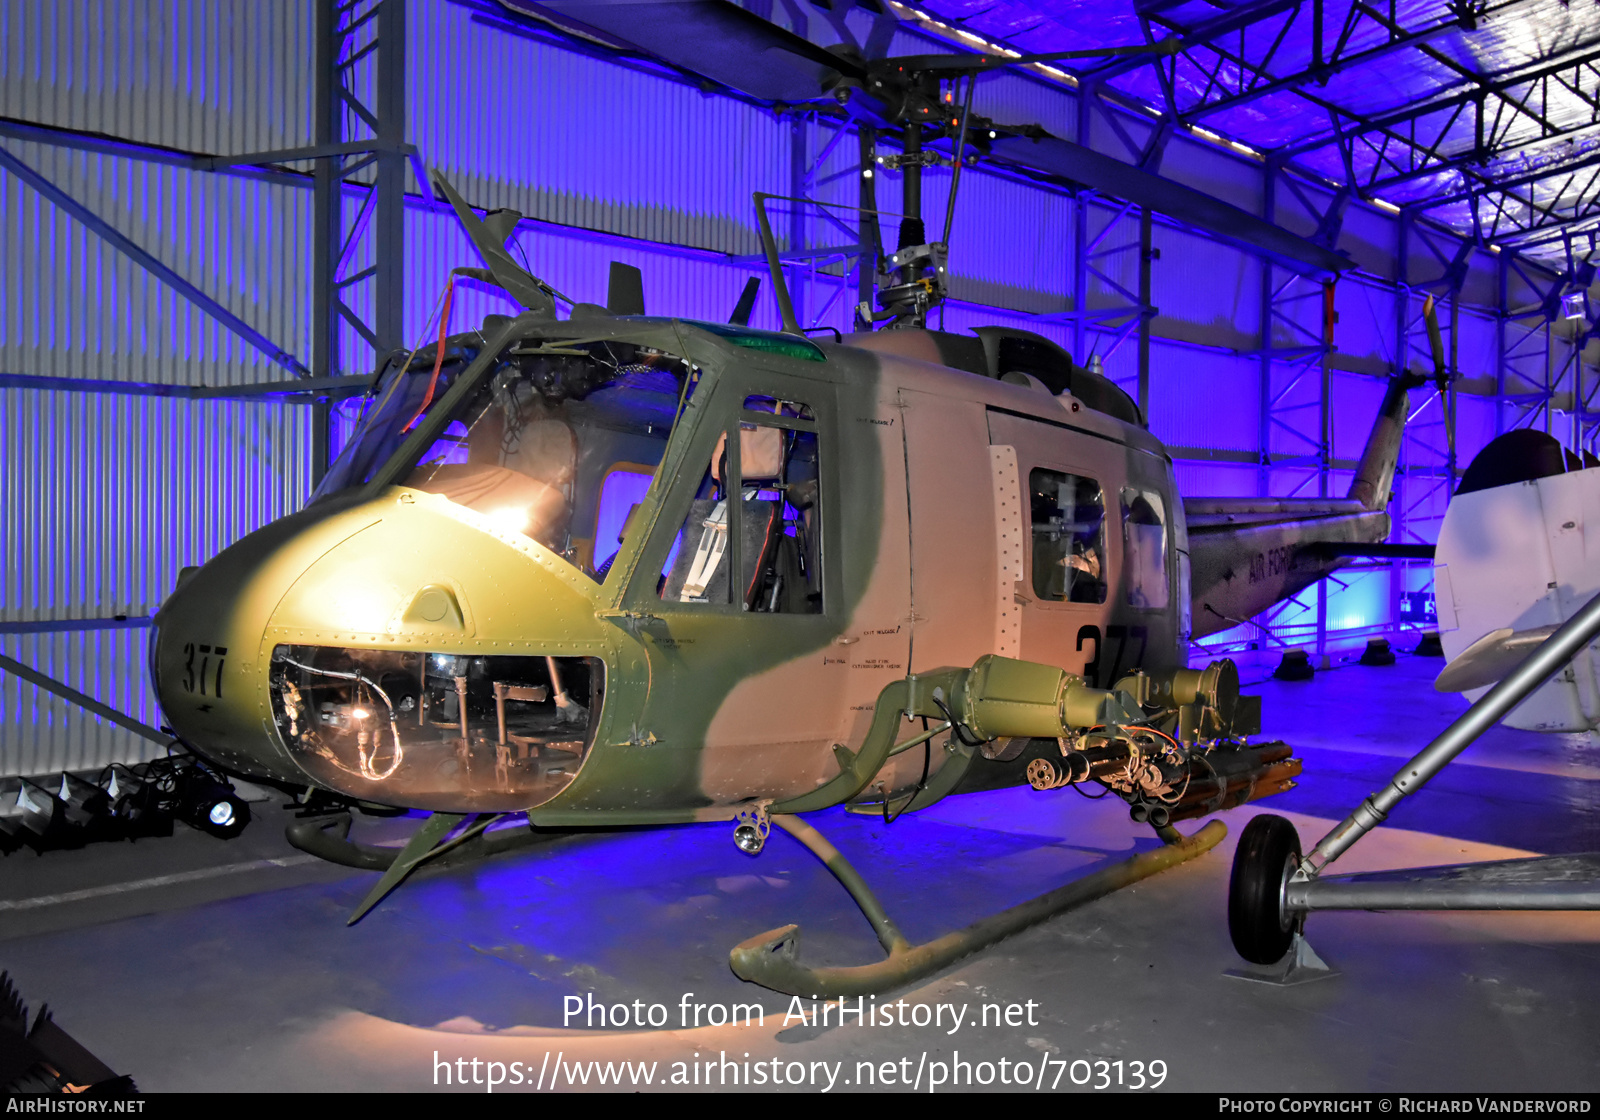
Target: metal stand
(1300,965)
(1284,892)
(771,959)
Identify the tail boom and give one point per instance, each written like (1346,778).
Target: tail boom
(1239,570)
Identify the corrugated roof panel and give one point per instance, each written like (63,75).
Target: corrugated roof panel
(1444,59)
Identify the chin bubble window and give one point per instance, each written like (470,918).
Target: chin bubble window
(1069,540)
(1144,548)
(755,513)
(436,730)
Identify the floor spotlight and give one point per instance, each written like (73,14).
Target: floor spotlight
(13,828)
(43,817)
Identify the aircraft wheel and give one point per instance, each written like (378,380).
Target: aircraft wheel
(1269,850)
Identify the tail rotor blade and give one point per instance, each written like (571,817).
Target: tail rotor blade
(746,304)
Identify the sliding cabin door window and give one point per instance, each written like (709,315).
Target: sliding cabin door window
(1069,539)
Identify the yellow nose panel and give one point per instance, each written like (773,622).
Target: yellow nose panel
(435,606)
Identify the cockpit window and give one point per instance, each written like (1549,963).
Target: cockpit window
(1144,548)
(543,443)
(771,534)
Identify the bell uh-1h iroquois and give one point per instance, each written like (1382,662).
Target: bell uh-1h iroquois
(621,570)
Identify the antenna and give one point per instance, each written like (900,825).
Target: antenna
(791,325)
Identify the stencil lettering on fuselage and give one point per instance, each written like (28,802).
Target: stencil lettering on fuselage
(1008,536)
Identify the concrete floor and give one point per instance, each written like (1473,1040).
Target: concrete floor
(249,979)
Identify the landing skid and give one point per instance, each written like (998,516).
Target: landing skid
(771,959)
(475,843)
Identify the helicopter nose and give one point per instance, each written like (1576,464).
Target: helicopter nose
(205,644)
(350,616)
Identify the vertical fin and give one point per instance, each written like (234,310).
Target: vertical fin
(1379,458)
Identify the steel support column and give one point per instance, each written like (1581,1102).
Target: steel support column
(1402,299)
(1146,310)
(1296,410)
(358,251)
(800,182)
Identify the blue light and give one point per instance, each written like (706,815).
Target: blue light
(620,492)
(221,814)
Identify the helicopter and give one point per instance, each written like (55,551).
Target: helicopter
(618,569)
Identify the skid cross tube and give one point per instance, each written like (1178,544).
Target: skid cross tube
(771,959)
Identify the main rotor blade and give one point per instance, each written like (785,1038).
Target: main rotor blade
(511,276)
(713,38)
(929,63)
(1203,211)
(1430,315)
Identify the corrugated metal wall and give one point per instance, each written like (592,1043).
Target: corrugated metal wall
(634,155)
(108,495)
(217,76)
(71,305)
(40,733)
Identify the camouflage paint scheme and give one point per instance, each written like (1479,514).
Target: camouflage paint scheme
(709,708)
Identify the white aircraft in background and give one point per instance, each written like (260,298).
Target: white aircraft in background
(1519,554)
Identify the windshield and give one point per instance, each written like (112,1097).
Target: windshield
(403,399)
(556,443)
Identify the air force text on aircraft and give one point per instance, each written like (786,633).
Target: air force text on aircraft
(586,1011)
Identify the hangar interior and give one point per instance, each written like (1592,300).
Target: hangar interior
(218,223)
